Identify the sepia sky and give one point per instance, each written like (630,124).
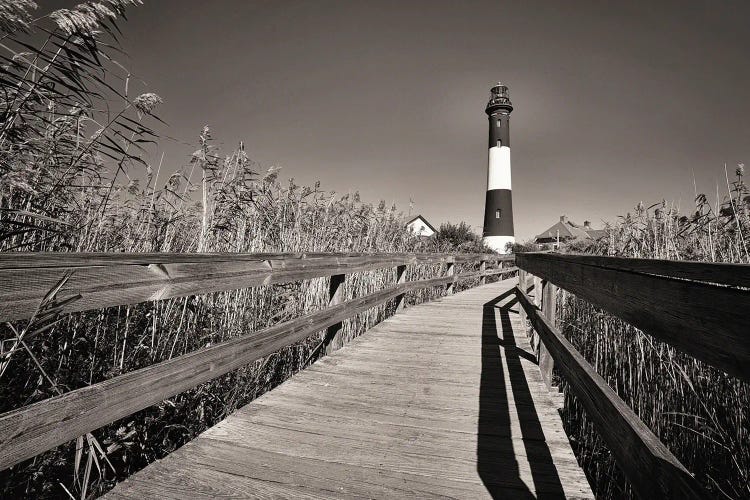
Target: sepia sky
(614,102)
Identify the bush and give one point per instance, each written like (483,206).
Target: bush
(460,236)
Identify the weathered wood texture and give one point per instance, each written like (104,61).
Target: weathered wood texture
(441,401)
(549,308)
(504,270)
(522,284)
(15,260)
(707,321)
(400,278)
(649,466)
(30,430)
(112,279)
(450,272)
(332,337)
(709,272)
(537,297)
(479,274)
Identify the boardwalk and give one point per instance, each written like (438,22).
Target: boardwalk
(442,400)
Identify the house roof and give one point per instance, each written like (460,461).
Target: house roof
(566,230)
(596,233)
(409,221)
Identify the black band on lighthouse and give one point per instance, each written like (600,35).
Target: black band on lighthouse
(499,130)
(498,213)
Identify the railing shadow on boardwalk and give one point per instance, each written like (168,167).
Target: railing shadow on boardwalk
(496,459)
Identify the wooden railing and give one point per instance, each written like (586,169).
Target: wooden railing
(700,308)
(103,280)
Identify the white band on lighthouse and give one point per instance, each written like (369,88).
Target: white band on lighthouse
(498,173)
(499,243)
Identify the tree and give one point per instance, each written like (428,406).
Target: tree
(460,236)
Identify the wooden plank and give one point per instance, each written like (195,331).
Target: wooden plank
(478,274)
(353,427)
(289,477)
(522,280)
(504,270)
(108,285)
(537,297)
(202,481)
(400,278)
(649,466)
(333,338)
(546,363)
(482,270)
(30,430)
(723,273)
(105,280)
(706,321)
(427,419)
(18,260)
(450,272)
(381,451)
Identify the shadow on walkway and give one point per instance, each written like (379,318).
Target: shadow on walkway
(497,463)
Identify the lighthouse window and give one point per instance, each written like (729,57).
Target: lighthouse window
(497,213)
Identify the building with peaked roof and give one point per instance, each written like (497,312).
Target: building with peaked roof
(565,230)
(420,226)
(594,234)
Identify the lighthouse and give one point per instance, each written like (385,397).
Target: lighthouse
(498,206)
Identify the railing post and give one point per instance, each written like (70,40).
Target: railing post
(549,307)
(537,283)
(450,271)
(333,338)
(524,288)
(400,279)
(538,291)
(549,301)
(482,270)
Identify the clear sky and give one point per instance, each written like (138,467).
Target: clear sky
(615,102)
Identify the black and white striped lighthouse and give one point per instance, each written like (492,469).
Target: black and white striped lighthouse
(498,206)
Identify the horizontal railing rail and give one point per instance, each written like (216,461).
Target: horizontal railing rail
(707,319)
(722,273)
(699,308)
(113,279)
(102,280)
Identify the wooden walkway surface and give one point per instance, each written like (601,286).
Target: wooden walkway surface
(442,400)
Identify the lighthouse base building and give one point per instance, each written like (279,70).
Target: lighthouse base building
(498,207)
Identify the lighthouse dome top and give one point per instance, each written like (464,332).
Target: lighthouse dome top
(499,100)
